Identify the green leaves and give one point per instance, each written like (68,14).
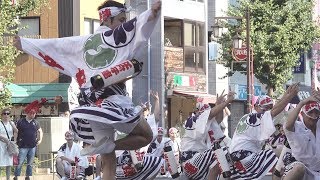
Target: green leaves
(8,28)
(280,31)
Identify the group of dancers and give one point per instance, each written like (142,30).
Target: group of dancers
(103,61)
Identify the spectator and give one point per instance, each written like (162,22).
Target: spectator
(66,114)
(69,153)
(174,136)
(7,131)
(29,136)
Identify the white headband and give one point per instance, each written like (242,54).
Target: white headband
(106,12)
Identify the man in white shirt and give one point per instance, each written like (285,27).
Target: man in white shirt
(68,154)
(304,140)
(176,141)
(250,161)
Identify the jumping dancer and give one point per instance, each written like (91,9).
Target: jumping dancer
(106,108)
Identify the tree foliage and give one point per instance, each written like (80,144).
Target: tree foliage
(280,30)
(10,14)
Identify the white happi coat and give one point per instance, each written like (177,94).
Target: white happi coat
(156,148)
(250,134)
(196,133)
(196,157)
(251,162)
(306,148)
(72,153)
(214,132)
(82,57)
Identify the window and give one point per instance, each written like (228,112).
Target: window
(90,25)
(190,36)
(30,26)
(194,46)
(173,33)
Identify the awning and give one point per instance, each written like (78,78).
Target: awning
(207,98)
(26,93)
(17,91)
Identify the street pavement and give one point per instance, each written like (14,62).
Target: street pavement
(54,177)
(268,177)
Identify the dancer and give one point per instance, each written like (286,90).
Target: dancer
(250,161)
(102,110)
(303,138)
(126,169)
(196,156)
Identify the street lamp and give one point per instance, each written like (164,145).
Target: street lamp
(237,44)
(237,41)
(217,30)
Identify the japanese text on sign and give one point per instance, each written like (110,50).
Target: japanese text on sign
(125,66)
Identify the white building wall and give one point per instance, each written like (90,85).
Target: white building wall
(211,13)
(184,10)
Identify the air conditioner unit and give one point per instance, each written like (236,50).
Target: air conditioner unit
(215,51)
(53,137)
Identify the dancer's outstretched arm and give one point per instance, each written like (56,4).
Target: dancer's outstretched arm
(286,98)
(222,104)
(156,110)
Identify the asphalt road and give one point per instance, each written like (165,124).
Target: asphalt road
(268,177)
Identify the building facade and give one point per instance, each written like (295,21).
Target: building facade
(175,59)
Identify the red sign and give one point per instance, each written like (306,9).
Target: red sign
(239,54)
(318,65)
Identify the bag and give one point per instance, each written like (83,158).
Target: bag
(15,160)
(12,148)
